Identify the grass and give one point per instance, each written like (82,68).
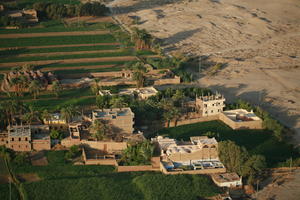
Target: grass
(255,141)
(29,3)
(14,52)
(57,40)
(64,57)
(5,192)
(3,168)
(82,70)
(61,180)
(55,26)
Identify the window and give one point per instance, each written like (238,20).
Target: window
(12,139)
(26,139)
(19,139)
(211,111)
(205,112)
(205,105)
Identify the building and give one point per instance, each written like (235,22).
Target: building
(28,16)
(227,180)
(241,119)
(55,118)
(142,93)
(200,153)
(26,138)
(121,120)
(210,105)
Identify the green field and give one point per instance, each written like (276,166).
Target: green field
(5,190)
(57,40)
(255,141)
(57,49)
(61,180)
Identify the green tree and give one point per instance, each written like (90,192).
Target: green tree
(46,116)
(253,168)
(68,112)
(55,134)
(56,88)
(143,40)
(34,88)
(232,156)
(118,102)
(103,101)
(95,86)
(31,115)
(100,130)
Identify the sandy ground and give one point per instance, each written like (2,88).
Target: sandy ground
(283,186)
(259,43)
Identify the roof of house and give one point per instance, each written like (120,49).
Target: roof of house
(226,177)
(232,114)
(109,113)
(19,131)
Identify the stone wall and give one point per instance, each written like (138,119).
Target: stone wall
(153,167)
(194,120)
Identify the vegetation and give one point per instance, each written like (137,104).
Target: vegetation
(138,154)
(101,130)
(73,152)
(55,134)
(189,187)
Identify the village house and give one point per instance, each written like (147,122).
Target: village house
(142,93)
(210,105)
(26,138)
(241,119)
(227,180)
(25,15)
(121,120)
(200,153)
(55,118)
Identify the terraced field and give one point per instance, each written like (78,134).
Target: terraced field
(65,50)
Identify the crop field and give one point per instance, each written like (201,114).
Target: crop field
(62,180)
(255,141)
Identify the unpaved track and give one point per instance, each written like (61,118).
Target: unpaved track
(48,34)
(80,60)
(63,45)
(66,53)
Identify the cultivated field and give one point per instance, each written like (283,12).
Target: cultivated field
(67,50)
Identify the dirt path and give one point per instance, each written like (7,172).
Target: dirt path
(63,45)
(66,53)
(80,60)
(30,35)
(77,67)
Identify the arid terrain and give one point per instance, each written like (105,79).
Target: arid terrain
(258,42)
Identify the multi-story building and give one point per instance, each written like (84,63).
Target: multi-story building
(121,120)
(26,138)
(210,105)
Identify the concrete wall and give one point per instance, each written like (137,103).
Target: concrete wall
(203,171)
(241,125)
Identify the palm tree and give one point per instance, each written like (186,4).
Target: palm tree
(34,88)
(118,102)
(100,130)
(46,115)
(95,86)
(139,71)
(56,88)
(68,112)
(103,101)
(31,115)
(142,38)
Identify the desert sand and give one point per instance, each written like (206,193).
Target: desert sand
(258,41)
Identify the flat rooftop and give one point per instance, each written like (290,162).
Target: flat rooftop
(225,177)
(240,115)
(145,90)
(109,113)
(203,140)
(211,97)
(19,131)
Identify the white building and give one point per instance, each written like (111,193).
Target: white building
(227,180)
(143,93)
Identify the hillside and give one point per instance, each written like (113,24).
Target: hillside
(259,44)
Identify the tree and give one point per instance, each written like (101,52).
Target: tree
(139,71)
(118,102)
(34,88)
(31,115)
(68,112)
(103,101)
(46,115)
(254,167)
(232,156)
(101,130)
(143,40)
(95,86)
(138,154)
(55,134)
(56,88)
